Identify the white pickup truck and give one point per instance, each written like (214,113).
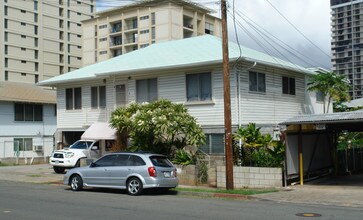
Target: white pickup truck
(70,157)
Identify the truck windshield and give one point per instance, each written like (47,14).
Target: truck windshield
(81,145)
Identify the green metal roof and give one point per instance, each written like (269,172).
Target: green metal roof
(190,52)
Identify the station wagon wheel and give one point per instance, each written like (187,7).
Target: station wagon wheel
(76,183)
(134,186)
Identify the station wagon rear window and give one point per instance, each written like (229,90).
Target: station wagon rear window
(160,161)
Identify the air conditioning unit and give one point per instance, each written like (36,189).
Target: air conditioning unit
(37,148)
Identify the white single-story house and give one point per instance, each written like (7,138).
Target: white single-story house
(28,121)
(264,89)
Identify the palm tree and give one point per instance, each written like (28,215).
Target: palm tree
(334,87)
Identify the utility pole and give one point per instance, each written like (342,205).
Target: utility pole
(227,101)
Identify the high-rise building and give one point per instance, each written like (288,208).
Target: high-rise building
(127,28)
(41,39)
(347,42)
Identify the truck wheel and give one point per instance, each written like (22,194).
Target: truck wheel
(59,169)
(134,186)
(76,183)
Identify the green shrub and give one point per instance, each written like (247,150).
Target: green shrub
(183,158)
(257,150)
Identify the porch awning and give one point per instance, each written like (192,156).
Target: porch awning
(99,131)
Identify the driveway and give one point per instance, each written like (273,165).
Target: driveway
(339,191)
(42,173)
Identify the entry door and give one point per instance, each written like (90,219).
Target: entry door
(120,95)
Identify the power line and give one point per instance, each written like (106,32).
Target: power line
(297,54)
(298,30)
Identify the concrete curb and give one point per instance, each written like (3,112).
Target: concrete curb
(215,195)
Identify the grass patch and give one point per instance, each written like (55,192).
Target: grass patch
(5,164)
(35,175)
(235,191)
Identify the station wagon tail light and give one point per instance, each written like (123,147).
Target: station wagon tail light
(152,171)
(175,173)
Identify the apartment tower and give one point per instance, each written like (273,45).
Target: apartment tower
(347,42)
(41,39)
(124,29)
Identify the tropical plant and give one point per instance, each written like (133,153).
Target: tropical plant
(334,87)
(160,126)
(257,149)
(252,136)
(183,157)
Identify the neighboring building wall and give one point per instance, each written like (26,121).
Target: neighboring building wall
(347,42)
(41,39)
(120,31)
(40,132)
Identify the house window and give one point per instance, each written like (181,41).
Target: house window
(28,112)
(6,75)
(199,87)
(102,26)
(103,52)
(144,45)
(98,97)
(146,90)
(144,31)
(288,85)
(23,144)
(153,33)
(121,95)
(103,39)
(73,98)
(153,18)
(319,96)
(257,82)
(144,17)
(214,144)
(209,28)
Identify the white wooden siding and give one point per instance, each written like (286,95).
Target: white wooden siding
(41,132)
(268,108)
(271,107)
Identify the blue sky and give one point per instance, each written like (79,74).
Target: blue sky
(310,17)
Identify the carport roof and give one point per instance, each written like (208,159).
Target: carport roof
(331,118)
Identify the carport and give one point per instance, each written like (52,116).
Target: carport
(311,143)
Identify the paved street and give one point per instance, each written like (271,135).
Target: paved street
(347,194)
(41,201)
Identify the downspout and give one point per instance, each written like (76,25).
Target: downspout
(238,82)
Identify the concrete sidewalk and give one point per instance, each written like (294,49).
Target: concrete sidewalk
(319,192)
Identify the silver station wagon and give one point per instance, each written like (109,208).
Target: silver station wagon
(131,171)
